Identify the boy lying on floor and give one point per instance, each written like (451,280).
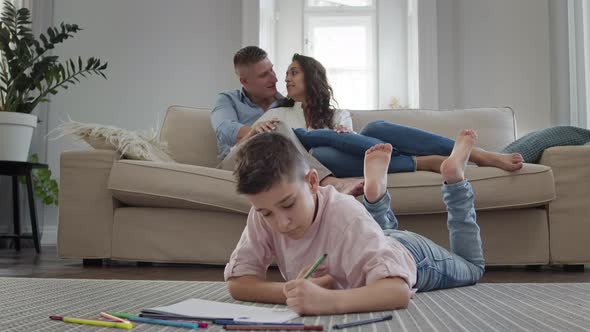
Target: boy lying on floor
(368,267)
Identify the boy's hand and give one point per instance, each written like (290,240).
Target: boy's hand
(306,298)
(320,276)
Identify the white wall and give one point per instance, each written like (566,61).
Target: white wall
(289,35)
(496,53)
(159,52)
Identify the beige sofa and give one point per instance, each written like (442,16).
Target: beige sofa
(189,212)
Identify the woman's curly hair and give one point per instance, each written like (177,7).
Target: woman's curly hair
(318,110)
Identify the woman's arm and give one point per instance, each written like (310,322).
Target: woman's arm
(305,297)
(344,121)
(253,289)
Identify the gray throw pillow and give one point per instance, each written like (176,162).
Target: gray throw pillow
(532,145)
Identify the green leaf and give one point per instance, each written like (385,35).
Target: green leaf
(48,200)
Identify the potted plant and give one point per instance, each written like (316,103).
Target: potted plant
(28,74)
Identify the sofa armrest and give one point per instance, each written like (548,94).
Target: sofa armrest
(569,213)
(86,206)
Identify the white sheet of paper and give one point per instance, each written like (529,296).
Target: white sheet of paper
(203,309)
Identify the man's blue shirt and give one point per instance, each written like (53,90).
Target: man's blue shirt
(233,109)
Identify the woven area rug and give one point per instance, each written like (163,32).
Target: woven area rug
(26,304)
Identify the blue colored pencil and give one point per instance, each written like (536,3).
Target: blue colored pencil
(157,321)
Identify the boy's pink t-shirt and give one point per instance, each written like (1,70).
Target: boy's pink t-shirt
(358,251)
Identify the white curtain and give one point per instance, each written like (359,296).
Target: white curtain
(569,25)
(579,66)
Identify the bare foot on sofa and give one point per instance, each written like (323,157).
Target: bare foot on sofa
(506,161)
(376,164)
(453,168)
(349,186)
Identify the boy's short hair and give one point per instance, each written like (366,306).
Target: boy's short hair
(248,55)
(265,160)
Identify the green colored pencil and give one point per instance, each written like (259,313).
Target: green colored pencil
(315,266)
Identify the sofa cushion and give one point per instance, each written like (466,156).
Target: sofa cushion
(420,192)
(495,127)
(153,184)
(189,135)
(191,140)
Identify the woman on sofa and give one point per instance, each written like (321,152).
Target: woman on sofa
(323,131)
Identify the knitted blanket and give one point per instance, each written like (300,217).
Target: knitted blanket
(532,145)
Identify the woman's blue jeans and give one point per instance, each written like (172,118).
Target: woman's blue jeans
(437,267)
(343,153)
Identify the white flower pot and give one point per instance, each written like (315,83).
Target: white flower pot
(16,132)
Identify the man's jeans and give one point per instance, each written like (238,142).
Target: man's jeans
(343,153)
(437,267)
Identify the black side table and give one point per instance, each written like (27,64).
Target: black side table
(16,169)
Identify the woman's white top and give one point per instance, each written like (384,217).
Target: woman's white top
(294,118)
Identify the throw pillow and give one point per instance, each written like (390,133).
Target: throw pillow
(532,145)
(138,145)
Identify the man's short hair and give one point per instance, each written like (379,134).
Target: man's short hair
(265,160)
(248,55)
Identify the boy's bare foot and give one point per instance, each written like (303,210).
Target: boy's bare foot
(348,186)
(453,169)
(506,161)
(376,164)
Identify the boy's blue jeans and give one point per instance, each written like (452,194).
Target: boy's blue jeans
(343,153)
(437,267)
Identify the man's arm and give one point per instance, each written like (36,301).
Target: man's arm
(225,122)
(257,128)
(243,133)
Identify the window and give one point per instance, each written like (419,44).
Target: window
(362,44)
(342,36)
(339,3)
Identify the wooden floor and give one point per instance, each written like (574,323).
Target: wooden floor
(47,265)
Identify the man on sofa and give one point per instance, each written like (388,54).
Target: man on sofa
(236,111)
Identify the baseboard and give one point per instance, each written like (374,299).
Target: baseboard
(49,235)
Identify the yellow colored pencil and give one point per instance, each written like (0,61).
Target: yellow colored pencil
(101,323)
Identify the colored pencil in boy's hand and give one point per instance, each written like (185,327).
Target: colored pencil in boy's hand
(315,266)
